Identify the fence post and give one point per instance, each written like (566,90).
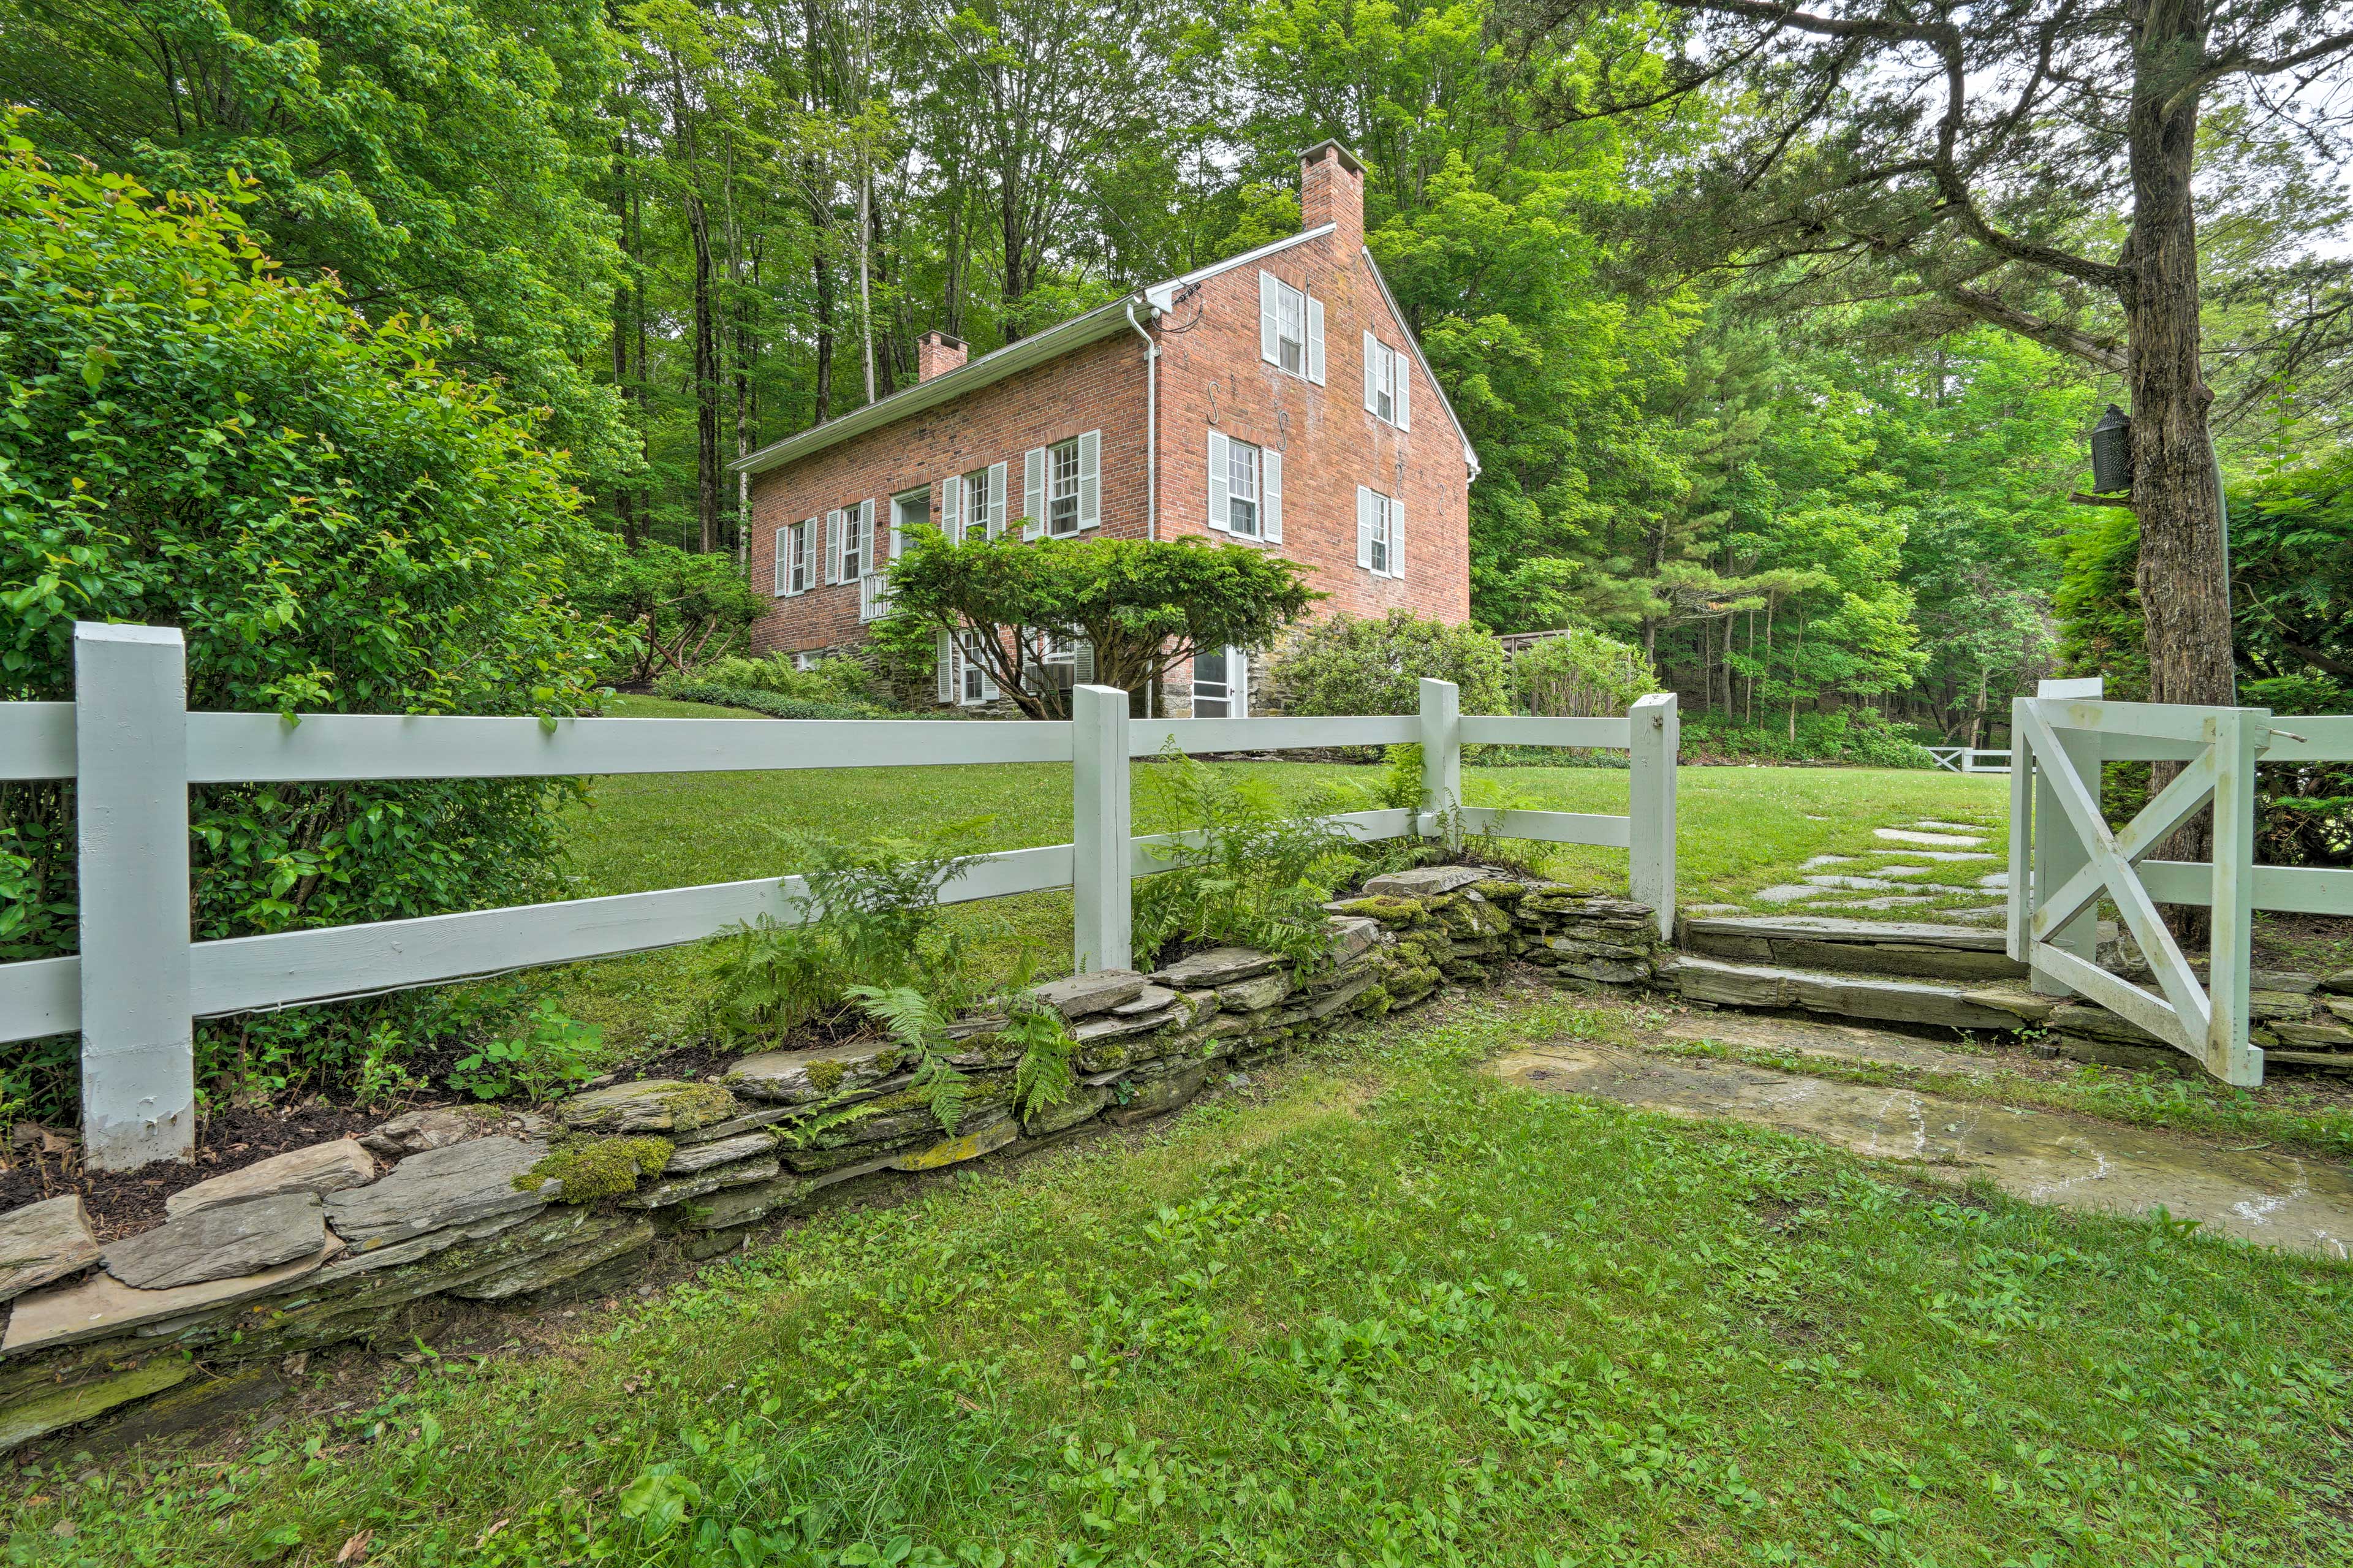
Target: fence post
(1442,757)
(1655,724)
(130,809)
(1103,927)
(2058,853)
(2230,1056)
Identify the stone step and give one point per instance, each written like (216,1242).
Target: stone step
(1912,949)
(1883,998)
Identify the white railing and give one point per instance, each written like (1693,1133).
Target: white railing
(1968,759)
(2064,857)
(139,982)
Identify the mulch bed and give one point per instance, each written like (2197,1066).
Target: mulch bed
(34,1167)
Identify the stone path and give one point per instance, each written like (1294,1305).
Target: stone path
(2278,1200)
(1953,840)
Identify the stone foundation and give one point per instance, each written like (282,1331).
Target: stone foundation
(362,1240)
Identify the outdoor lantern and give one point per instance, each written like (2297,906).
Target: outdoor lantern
(2111,458)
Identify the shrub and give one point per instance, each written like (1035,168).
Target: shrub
(553,1052)
(1253,872)
(768,702)
(334,522)
(1349,664)
(1859,737)
(682,609)
(870,918)
(1580,674)
(838,680)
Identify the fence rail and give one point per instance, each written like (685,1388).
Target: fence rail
(2065,859)
(1968,759)
(133,750)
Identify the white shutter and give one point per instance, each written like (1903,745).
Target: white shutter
(945,656)
(1268,350)
(1397,539)
(1033,492)
(1363,527)
(1220,478)
(783,583)
(1405,392)
(834,525)
(1371,374)
(1315,340)
(809,555)
(1091,479)
(996,499)
(1269,495)
(868,566)
(952,507)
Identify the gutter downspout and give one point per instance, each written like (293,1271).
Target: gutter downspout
(1151,444)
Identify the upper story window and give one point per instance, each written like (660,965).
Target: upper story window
(972,505)
(1380,533)
(1062,487)
(797,557)
(1245,488)
(848,543)
(908,511)
(1290,328)
(1388,383)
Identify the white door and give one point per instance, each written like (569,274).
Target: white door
(1221,684)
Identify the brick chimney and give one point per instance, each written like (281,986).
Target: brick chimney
(1332,190)
(936,353)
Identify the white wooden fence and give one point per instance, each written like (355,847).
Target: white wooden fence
(133,749)
(2063,858)
(1968,759)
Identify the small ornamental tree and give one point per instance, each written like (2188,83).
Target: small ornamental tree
(686,608)
(1142,606)
(1354,664)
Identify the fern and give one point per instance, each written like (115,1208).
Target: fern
(1043,1076)
(918,1026)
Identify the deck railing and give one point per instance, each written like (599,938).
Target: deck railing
(139,982)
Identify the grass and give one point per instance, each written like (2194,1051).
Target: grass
(1740,829)
(1375,1309)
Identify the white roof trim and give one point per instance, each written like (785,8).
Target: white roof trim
(1413,342)
(1162,295)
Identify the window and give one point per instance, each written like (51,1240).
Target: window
(796,557)
(1388,383)
(972,505)
(1245,488)
(908,511)
(1064,661)
(1290,328)
(1221,684)
(853,540)
(1380,533)
(1061,488)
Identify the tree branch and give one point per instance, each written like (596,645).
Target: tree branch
(2070,341)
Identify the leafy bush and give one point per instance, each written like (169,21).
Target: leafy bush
(870,918)
(334,520)
(768,702)
(841,681)
(1580,674)
(1859,737)
(1252,872)
(1348,664)
(684,609)
(553,1053)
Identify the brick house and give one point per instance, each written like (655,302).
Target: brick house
(1274,399)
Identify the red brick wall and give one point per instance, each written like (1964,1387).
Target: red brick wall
(1210,373)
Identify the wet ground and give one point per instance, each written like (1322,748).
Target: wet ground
(2075,1163)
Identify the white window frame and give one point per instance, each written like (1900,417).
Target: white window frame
(1388,384)
(857,530)
(1380,532)
(1242,466)
(1267,522)
(796,558)
(1290,317)
(1233,693)
(918,501)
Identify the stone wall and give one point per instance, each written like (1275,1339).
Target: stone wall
(363,1239)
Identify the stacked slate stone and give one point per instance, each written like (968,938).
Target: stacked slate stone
(2299,1020)
(366,1239)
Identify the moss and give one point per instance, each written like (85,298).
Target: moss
(694,1105)
(1388,909)
(826,1077)
(595,1168)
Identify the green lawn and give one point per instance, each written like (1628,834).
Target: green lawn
(1739,829)
(1374,1308)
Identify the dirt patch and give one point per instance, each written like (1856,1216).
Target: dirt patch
(37,1165)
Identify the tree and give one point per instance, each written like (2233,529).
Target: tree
(1976,154)
(684,608)
(1143,607)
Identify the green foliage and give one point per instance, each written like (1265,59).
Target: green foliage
(1353,664)
(333,520)
(919,1026)
(684,610)
(1580,674)
(592,1169)
(555,1052)
(1143,606)
(1043,1078)
(692,689)
(870,918)
(1862,737)
(837,680)
(1253,871)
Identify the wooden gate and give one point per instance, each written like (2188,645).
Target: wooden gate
(2063,858)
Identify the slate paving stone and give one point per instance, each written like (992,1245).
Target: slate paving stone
(322,1168)
(1938,854)
(1786,893)
(441,1187)
(42,1242)
(220,1243)
(1083,996)
(1932,840)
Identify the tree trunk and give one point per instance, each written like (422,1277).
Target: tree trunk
(623,513)
(823,392)
(706,376)
(2185,598)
